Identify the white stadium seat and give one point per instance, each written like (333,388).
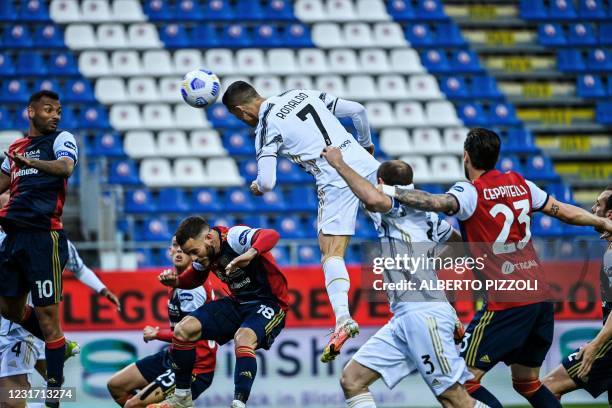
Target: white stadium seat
(80,36)
(251,61)
(380,114)
(142,89)
(7,137)
(143,35)
(94,64)
(172,143)
(125,63)
(343,61)
(309,10)
(371,10)
(139,143)
(406,61)
(361,88)
(332,84)
(156,172)
(392,87)
(190,172)
(127,11)
(454,138)
(395,141)
(446,169)
(282,61)
(110,90)
(312,61)
(190,118)
(206,143)
(64,11)
(95,11)
(420,168)
(226,81)
(424,87)
(409,114)
(157,63)
(426,140)
(441,113)
(298,82)
(157,116)
(223,172)
(340,10)
(111,36)
(268,85)
(357,35)
(169,89)
(374,61)
(125,117)
(187,60)
(222,60)
(389,35)
(327,35)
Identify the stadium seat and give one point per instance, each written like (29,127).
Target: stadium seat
(599,59)
(110,90)
(48,36)
(174,36)
(95,11)
(509,162)
(298,82)
(591,9)
(302,199)
(64,11)
(281,255)
(158,10)
(419,35)
(395,141)
(446,169)
(186,117)
(485,87)
(237,200)
(380,114)
(605,34)
(158,116)
(189,10)
(454,87)
(246,10)
(388,35)
(139,201)
(15,91)
(238,143)
(426,141)
(91,64)
(156,229)
(78,90)
(309,10)
(6,121)
(169,90)
(17,36)
(570,61)
(205,200)
(312,61)
(206,143)
(223,171)
(50,85)
(221,59)
(409,114)
(454,139)
(142,89)
(281,61)
(93,117)
(582,34)
(551,34)
(173,200)
(235,36)
(108,144)
(7,67)
(449,35)
(590,86)
(358,35)
(562,10)
(308,255)
(430,10)
(424,87)
(406,61)
(157,173)
(465,61)
(143,35)
(220,117)
(340,10)
(603,113)
(125,63)
(33,10)
(266,36)
(393,87)
(125,117)
(297,35)
(21,122)
(80,36)
(271,201)
(343,61)
(31,63)
(543,225)
(173,143)
(472,114)
(287,172)
(127,11)
(371,10)
(183,60)
(533,9)
(218,10)
(206,36)
(520,141)
(374,61)
(502,114)
(159,62)
(251,61)
(361,87)
(123,172)
(328,35)
(436,62)
(268,85)
(248,169)
(540,168)
(281,10)
(289,227)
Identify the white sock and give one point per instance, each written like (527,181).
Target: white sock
(337,283)
(182,392)
(361,401)
(480,404)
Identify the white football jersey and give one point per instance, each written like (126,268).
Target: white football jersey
(298,124)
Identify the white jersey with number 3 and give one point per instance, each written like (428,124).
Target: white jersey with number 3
(299,124)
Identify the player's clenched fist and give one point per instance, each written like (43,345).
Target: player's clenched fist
(169,277)
(255,189)
(333,155)
(150,333)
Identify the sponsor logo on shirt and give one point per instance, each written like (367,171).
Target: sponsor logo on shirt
(70,145)
(242,239)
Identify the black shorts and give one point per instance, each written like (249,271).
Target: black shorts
(33,261)
(222,318)
(520,335)
(157,369)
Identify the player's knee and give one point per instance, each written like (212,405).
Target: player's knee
(526,386)
(133,402)
(245,337)
(351,383)
(188,329)
(456,396)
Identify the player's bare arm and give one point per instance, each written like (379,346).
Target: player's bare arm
(5,182)
(422,200)
(571,214)
(62,167)
(373,199)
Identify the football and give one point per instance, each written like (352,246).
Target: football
(200,88)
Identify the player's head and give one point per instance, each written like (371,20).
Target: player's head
(179,259)
(195,237)
(603,204)
(394,173)
(44,111)
(481,150)
(243,101)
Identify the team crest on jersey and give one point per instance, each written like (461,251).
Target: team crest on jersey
(243,237)
(70,145)
(458,188)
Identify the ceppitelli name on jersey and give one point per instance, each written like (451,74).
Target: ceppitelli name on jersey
(289,106)
(504,191)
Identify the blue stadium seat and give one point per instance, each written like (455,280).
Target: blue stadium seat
(590,86)
(49,85)
(289,227)
(484,86)
(308,255)
(562,10)
(219,117)
(465,61)
(248,169)
(70,120)
(247,10)
(33,10)
(7,11)
(218,10)
(20,119)
(287,172)
(454,87)
(123,172)
(605,33)
(540,168)
(48,36)
(302,199)
(6,65)
(222,221)
(551,34)
(158,10)
(188,10)
(509,162)
(6,120)
(78,90)
(419,35)
(353,255)
(93,117)
(599,59)
(237,200)
(519,140)
(278,10)
(542,225)
(603,113)
(16,36)
(239,143)
(173,200)
(205,36)
(270,201)
(449,35)
(435,61)
(610,86)
(31,63)
(502,114)
(364,228)
(107,144)
(63,63)
(570,61)
(401,10)
(235,36)
(533,9)
(297,36)
(266,36)
(582,34)
(591,9)
(472,114)
(145,258)
(156,229)
(139,201)
(561,192)
(430,10)
(205,200)
(281,255)
(174,36)
(14,91)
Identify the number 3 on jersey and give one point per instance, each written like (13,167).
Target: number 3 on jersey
(309,109)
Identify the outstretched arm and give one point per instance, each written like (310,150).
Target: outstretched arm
(571,214)
(422,200)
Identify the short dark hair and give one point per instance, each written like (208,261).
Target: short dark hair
(483,146)
(395,173)
(608,205)
(37,96)
(239,93)
(190,227)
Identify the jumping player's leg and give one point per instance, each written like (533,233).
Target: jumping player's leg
(355,382)
(122,384)
(186,333)
(526,381)
(337,281)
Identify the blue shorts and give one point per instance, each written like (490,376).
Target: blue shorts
(157,369)
(599,378)
(33,261)
(520,335)
(222,318)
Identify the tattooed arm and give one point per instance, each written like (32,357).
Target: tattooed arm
(570,214)
(422,200)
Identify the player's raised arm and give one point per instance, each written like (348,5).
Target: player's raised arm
(422,200)
(267,143)
(572,214)
(249,242)
(343,108)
